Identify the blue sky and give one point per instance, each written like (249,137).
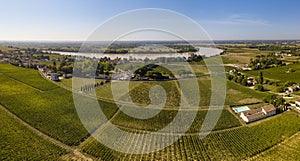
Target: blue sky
(75,20)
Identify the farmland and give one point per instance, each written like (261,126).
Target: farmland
(164,117)
(48,111)
(288,150)
(29,77)
(280,74)
(20,143)
(233,144)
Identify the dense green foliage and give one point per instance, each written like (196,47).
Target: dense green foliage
(262,62)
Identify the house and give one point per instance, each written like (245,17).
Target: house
(233,72)
(259,113)
(67,75)
(297,102)
(54,77)
(293,88)
(251,81)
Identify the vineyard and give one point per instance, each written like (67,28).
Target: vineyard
(234,144)
(47,111)
(280,73)
(20,143)
(39,102)
(140,93)
(236,94)
(29,77)
(288,150)
(227,120)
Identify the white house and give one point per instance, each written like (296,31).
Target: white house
(293,88)
(257,114)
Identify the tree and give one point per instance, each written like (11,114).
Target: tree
(270,98)
(280,101)
(289,83)
(230,77)
(260,78)
(245,82)
(280,89)
(259,87)
(54,63)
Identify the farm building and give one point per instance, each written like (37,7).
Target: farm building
(67,75)
(251,81)
(54,77)
(257,114)
(297,104)
(293,88)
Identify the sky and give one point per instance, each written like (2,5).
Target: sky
(75,20)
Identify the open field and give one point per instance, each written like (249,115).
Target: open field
(237,58)
(20,143)
(239,95)
(234,144)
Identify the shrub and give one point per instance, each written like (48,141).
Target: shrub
(259,87)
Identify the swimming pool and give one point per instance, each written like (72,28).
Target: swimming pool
(240,109)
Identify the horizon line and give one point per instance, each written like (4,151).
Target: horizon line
(149,40)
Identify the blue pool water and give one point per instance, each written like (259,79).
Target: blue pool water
(240,109)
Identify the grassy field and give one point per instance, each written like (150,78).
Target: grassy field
(239,95)
(235,144)
(6,49)
(20,143)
